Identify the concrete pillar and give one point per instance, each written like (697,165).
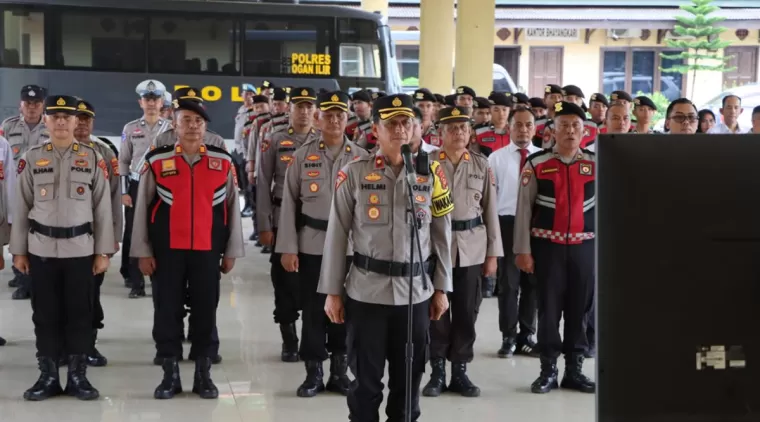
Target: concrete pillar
(376,6)
(437,36)
(476,20)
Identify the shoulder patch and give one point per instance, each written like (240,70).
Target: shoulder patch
(102,165)
(442,203)
(115,166)
(21,165)
(340,178)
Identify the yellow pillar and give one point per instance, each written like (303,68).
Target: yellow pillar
(476,20)
(376,6)
(437,36)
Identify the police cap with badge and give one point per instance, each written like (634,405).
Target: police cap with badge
(281,94)
(388,107)
(260,99)
(151,89)
(188,93)
(453,115)
(32,93)
(480,103)
(190,104)
(84,108)
(600,98)
(424,94)
(553,89)
(500,99)
(644,101)
(536,102)
(621,96)
(521,98)
(303,95)
(466,90)
(564,108)
(61,104)
(334,100)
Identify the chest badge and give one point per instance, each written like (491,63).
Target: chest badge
(420,199)
(43,192)
(313,157)
(314,187)
(586,169)
(286,143)
(215,163)
(42,162)
(373,213)
(372,177)
(168,165)
(80,190)
(374,199)
(286,158)
(314,173)
(16,150)
(81,163)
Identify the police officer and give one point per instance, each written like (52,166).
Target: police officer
(361,104)
(597,108)
(554,238)
(24,131)
(521,99)
(507,164)
(493,136)
(7,195)
(167,110)
(363,135)
(169,136)
(243,120)
(426,102)
(276,154)
(475,248)
(83,135)
(465,97)
(552,95)
(371,203)
(136,139)
(417,143)
(180,236)
(538,106)
(644,110)
(62,235)
(481,111)
(573,94)
(306,200)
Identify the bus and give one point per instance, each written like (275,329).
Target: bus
(101,49)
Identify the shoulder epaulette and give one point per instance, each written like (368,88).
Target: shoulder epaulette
(158,150)
(539,153)
(11,119)
(589,152)
(216,149)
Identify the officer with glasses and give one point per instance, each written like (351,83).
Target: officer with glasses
(682,117)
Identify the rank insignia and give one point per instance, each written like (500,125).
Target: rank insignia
(466,156)
(372,177)
(379,162)
(586,169)
(115,166)
(21,165)
(314,187)
(420,199)
(373,213)
(313,157)
(286,143)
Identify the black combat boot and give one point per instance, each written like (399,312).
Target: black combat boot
(158,361)
(338,382)
(547,381)
(437,383)
(215,360)
(460,382)
(574,378)
(77,384)
(138,289)
(289,342)
(14,282)
(202,384)
(171,384)
(508,346)
(21,293)
(95,358)
(313,383)
(48,384)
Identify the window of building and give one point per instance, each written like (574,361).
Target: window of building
(193,45)
(23,38)
(282,48)
(408,58)
(359,49)
(638,70)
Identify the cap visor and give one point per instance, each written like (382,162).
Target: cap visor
(298,100)
(60,109)
(393,113)
(453,119)
(333,106)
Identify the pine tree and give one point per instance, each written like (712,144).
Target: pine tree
(700,52)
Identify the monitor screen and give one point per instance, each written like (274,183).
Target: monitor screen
(678,278)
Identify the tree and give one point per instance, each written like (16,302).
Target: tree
(700,50)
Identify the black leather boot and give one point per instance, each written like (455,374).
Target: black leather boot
(460,382)
(138,290)
(22,293)
(215,360)
(158,361)
(77,384)
(547,381)
(14,282)
(48,384)
(313,383)
(289,342)
(574,378)
(202,383)
(171,384)
(437,383)
(339,382)
(508,346)
(95,358)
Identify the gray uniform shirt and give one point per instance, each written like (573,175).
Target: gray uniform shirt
(21,137)
(276,154)
(62,190)
(243,115)
(310,179)
(112,163)
(136,138)
(473,190)
(371,203)
(7,190)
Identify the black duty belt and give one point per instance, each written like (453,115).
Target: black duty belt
(277,202)
(390,268)
(314,223)
(462,225)
(60,232)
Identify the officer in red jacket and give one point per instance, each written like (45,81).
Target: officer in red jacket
(554,238)
(187,229)
(489,137)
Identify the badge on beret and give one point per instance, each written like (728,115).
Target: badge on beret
(455,112)
(637,101)
(60,102)
(334,98)
(557,107)
(191,93)
(460,90)
(420,95)
(548,89)
(614,96)
(304,92)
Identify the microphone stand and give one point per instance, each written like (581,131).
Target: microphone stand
(414,235)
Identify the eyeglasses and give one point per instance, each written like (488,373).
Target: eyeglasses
(681,118)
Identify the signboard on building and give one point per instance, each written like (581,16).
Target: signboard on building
(553,34)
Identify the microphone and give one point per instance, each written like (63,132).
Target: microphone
(411,174)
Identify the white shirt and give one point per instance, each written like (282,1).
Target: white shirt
(722,129)
(505,163)
(428,148)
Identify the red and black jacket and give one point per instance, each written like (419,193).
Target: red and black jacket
(488,140)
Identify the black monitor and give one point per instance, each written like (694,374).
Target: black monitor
(678,278)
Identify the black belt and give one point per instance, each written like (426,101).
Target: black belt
(390,268)
(314,223)
(462,225)
(60,232)
(277,202)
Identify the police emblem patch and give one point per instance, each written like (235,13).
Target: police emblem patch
(215,163)
(80,190)
(420,199)
(314,173)
(372,177)
(422,179)
(374,199)
(586,169)
(264,146)
(168,165)
(43,192)
(373,213)
(42,162)
(340,179)
(314,187)
(16,150)
(21,165)
(421,214)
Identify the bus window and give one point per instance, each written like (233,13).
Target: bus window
(277,48)
(193,45)
(359,49)
(101,41)
(23,36)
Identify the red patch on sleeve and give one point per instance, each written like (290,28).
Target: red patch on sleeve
(340,179)
(102,165)
(21,165)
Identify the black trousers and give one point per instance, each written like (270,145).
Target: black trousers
(287,301)
(318,335)
(591,326)
(176,271)
(453,336)
(376,333)
(62,304)
(517,290)
(565,276)
(97,307)
(129,268)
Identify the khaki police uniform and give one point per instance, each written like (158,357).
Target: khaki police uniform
(21,137)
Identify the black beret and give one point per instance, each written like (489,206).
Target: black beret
(536,102)
(565,108)
(755,110)
(267,85)
(572,90)
(362,95)
(258,99)
(453,114)
(621,95)
(424,94)
(281,94)
(645,101)
(450,100)
(378,94)
(188,93)
(440,98)
(32,93)
(61,104)
(393,105)
(466,90)
(331,100)
(85,108)
(481,102)
(500,99)
(522,98)
(191,105)
(553,89)
(600,98)
(303,94)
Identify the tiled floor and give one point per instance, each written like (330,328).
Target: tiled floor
(254,385)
